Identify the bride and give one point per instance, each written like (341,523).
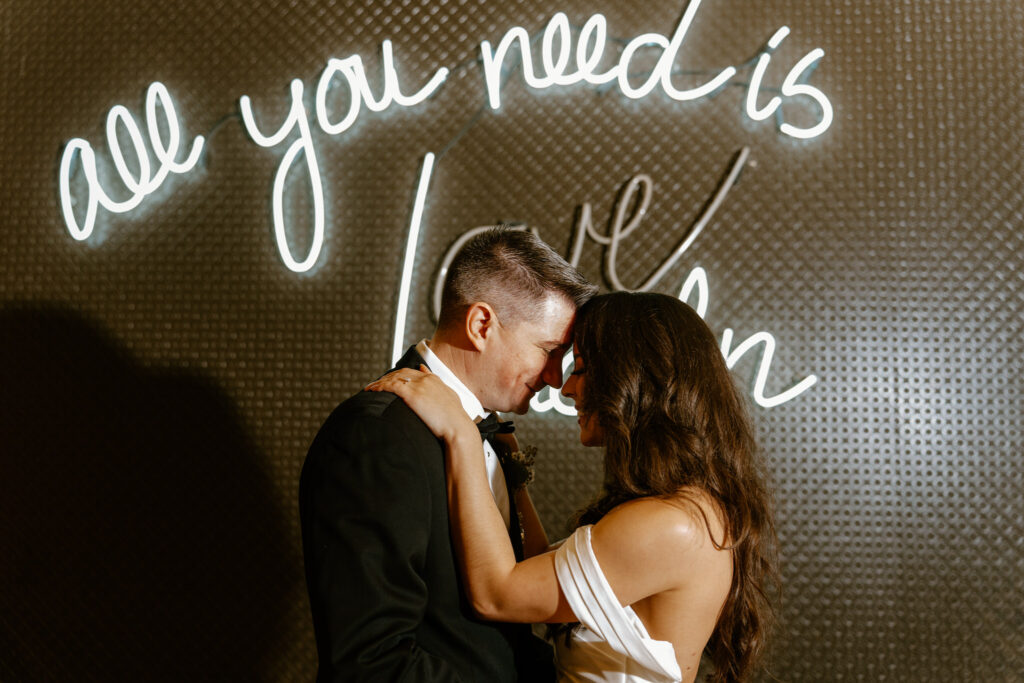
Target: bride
(674,557)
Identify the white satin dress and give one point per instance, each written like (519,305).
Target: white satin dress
(612,645)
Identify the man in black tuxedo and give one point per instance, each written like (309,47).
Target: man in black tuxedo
(385,594)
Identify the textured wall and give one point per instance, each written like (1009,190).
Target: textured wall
(160,381)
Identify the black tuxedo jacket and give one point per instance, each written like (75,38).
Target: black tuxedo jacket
(384,590)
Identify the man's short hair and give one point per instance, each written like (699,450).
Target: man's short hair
(513,271)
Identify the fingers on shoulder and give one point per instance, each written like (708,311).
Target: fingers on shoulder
(394,381)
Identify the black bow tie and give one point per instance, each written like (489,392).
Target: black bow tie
(491,425)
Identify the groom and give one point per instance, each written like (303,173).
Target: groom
(386,597)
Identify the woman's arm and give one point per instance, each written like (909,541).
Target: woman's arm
(644,547)
(498,587)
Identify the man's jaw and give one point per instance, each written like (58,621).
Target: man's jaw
(523,406)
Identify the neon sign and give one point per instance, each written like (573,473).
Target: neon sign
(407,261)
(354,75)
(350,72)
(696,281)
(550,70)
(791,87)
(146,182)
(590,47)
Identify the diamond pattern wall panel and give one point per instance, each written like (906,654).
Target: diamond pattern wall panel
(161,380)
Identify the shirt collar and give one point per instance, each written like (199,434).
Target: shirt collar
(470,403)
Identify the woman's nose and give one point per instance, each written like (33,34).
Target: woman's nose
(569,390)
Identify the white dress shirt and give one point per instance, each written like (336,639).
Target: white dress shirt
(471,404)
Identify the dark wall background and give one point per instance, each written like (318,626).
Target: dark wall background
(159,383)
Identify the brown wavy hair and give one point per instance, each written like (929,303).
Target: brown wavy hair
(673,420)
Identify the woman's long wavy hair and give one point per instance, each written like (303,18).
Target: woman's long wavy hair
(673,420)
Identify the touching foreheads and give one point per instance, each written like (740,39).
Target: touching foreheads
(513,271)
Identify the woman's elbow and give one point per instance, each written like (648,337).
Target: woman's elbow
(491,603)
(485,607)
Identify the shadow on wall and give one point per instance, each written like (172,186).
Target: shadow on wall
(139,538)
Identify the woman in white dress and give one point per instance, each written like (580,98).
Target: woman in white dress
(676,555)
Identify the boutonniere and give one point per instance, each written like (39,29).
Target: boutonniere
(519,467)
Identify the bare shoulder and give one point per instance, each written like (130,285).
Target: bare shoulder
(670,527)
(650,545)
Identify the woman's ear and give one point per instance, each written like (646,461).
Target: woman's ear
(481,322)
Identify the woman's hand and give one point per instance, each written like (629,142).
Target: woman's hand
(431,399)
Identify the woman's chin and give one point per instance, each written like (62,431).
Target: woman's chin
(589,435)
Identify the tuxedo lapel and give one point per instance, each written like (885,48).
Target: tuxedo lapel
(515,529)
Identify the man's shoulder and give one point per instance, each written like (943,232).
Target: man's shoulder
(371,404)
(376,411)
(371,430)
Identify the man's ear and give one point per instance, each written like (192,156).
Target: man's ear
(481,322)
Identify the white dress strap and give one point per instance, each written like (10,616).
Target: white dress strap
(594,603)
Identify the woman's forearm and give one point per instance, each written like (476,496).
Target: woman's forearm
(481,540)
